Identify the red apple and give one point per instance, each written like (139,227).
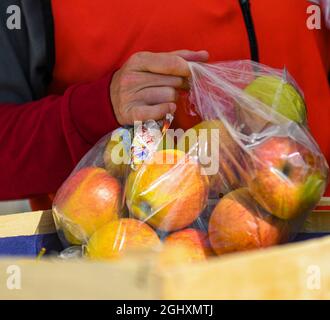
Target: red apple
(288,179)
(87,200)
(238,223)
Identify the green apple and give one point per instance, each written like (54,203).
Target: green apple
(280,96)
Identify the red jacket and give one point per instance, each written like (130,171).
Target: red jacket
(46,138)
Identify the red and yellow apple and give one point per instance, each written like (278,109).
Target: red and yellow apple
(194,244)
(218,153)
(113,239)
(238,223)
(86,201)
(288,179)
(168,191)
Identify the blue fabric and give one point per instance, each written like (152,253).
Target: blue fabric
(307,236)
(29,245)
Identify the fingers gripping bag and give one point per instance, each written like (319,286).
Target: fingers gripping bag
(244,178)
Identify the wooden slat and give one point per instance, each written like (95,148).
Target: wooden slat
(28,223)
(56,279)
(291,271)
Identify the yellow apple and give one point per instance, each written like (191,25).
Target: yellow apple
(116,237)
(168,191)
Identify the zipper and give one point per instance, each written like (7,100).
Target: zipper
(245,7)
(50,39)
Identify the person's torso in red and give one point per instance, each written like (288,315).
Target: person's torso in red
(96,37)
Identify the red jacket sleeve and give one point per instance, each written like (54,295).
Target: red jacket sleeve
(42,141)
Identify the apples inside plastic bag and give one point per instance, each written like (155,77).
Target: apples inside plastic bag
(244,178)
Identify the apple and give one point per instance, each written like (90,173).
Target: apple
(280,96)
(238,223)
(276,93)
(194,244)
(87,200)
(116,155)
(288,179)
(218,152)
(113,239)
(168,191)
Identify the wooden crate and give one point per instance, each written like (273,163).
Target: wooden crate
(293,271)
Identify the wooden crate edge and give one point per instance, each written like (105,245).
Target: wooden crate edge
(276,273)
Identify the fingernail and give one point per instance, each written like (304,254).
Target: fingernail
(203,51)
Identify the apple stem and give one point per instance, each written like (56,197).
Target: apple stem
(41,253)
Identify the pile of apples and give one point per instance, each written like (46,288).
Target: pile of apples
(260,191)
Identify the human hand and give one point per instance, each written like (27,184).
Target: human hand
(146,85)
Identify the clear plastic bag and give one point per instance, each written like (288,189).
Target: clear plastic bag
(244,178)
